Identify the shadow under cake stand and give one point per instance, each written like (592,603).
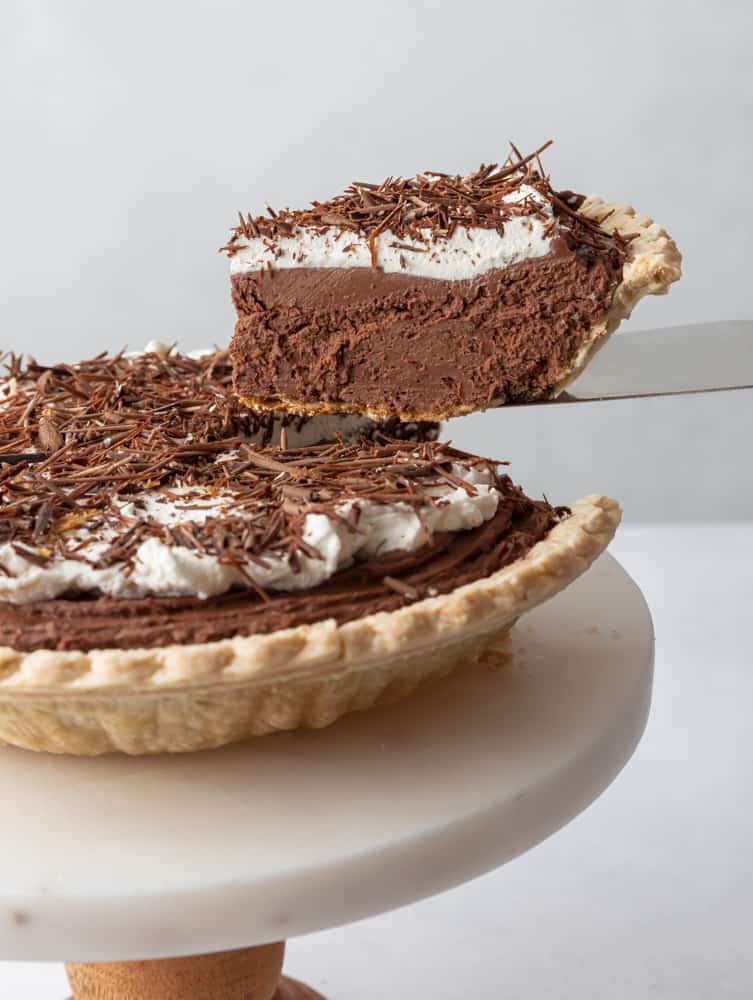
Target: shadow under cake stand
(124,863)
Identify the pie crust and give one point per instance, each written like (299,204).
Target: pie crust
(652,264)
(193,697)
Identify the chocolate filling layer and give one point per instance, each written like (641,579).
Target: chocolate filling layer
(398,344)
(449,561)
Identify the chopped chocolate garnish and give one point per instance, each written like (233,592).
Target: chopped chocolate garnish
(111,428)
(9,459)
(435,202)
(50,438)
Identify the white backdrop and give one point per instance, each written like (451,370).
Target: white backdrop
(132,133)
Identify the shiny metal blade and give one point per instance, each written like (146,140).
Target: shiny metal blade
(701,357)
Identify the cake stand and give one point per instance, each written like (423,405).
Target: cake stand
(123,863)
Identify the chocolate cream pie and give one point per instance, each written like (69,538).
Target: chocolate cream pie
(435,296)
(177,572)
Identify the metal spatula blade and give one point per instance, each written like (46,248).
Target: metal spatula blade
(700,357)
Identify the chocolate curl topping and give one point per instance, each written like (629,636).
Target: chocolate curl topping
(75,439)
(430,206)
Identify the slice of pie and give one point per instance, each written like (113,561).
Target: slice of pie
(168,583)
(435,296)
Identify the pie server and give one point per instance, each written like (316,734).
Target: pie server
(677,361)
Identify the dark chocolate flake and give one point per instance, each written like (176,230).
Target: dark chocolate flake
(438,203)
(160,424)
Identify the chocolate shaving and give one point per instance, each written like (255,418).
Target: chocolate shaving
(433,204)
(18,459)
(115,427)
(50,438)
(405,589)
(42,521)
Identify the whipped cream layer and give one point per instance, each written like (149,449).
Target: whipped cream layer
(358,529)
(467,253)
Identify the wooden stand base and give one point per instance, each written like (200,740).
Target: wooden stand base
(244,974)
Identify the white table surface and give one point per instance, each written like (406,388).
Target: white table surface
(647,894)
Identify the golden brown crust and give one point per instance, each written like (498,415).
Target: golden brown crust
(198,696)
(652,264)
(298,409)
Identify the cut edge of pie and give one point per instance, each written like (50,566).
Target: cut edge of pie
(652,264)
